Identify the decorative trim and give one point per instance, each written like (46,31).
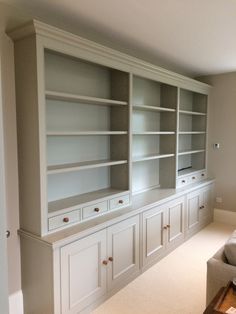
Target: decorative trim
(39,28)
(225,216)
(16,303)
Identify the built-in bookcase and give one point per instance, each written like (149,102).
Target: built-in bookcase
(87,126)
(192,132)
(154,131)
(96,126)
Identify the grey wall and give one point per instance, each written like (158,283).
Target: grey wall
(222,129)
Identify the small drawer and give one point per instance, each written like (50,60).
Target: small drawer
(194,178)
(64,220)
(95,209)
(119,202)
(182,182)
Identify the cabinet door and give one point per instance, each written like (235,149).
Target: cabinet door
(193,206)
(175,221)
(153,233)
(206,205)
(83,275)
(123,250)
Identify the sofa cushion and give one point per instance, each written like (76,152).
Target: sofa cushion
(230,249)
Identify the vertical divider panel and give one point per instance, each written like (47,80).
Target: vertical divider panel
(177,135)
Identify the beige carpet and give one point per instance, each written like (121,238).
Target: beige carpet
(175,285)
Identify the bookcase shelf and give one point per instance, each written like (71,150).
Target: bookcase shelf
(151,157)
(152,108)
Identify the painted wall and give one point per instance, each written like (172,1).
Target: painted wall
(222,130)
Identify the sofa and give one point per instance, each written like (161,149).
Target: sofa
(221,268)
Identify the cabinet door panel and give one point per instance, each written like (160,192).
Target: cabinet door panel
(83,276)
(193,210)
(123,247)
(153,237)
(206,204)
(176,220)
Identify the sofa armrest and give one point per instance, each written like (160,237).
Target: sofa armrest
(219,273)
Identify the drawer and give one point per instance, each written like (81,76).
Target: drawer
(183,181)
(194,178)
(95,209)
(203,175)
(118,202)
(64,220)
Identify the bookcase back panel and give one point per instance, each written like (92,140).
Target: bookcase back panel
(191,101)
(145,121)
(67,116)
(144,145)
(61,149)
(145,175)
(191,161)
(71,75)
(74,183)
(146,92)
(191,142)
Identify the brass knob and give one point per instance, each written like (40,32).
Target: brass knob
(66,219)
(120,201)
(105,262)
(165,227)
(97,209)
(110,259)
(168,226)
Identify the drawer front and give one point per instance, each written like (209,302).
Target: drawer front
(64,220)
(182,182)
(203,175)
(119,202)
(194,178)
(95,209)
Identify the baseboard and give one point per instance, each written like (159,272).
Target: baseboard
(16,303)
(225,216)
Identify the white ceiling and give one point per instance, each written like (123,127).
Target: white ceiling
(194,37)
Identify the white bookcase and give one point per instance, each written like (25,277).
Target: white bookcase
(96,126)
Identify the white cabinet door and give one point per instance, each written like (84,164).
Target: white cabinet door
(193,207)
(153,233)
(123,250)
(175,221)
(83,275)
(206,205)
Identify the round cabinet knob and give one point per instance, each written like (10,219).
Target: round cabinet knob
(193,178)
(66,219)
(203,206)
(120,201)
(203,175)
(183,181)
(110,259)
(168,226)
(97,209)
(105,262)
(8,233)
(165,227)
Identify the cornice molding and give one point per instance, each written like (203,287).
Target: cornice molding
(45,30)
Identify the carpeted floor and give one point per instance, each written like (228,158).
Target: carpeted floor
(175,285)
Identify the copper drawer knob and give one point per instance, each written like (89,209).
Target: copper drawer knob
(110,259)
(105,262)
(66,219)
(97,209)
(120,201)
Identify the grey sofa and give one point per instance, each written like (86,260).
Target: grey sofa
(219,273)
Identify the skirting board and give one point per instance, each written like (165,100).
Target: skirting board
(225,216)
(16,303)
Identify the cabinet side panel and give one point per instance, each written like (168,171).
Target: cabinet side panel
(37,277)
(28,135)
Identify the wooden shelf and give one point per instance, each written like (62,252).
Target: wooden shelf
(83,166)
(154,133)
(153,108)
(188,152)
(192,113)
(151,157)
(83,99)
(75,202)
(192,132)
(60,133)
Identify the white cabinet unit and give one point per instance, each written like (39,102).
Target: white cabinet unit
(98,263)
(163,227)
(104,139)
